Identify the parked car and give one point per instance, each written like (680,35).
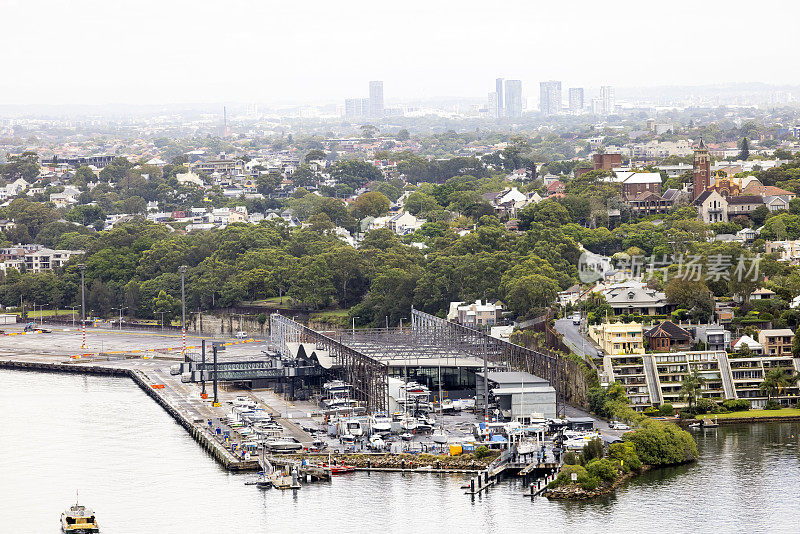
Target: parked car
(619,425)
(241,335)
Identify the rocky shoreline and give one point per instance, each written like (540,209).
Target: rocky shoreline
(575,492)
(463,462)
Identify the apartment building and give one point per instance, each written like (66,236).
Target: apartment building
(748,372)
(618,338)
(776,342)
(475,314)
(787,250)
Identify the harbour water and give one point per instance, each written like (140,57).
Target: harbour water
(141,472)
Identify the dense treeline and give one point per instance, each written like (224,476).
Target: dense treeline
(134,262)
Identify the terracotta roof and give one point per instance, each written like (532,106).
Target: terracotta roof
(669,330)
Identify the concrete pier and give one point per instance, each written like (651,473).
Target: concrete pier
(179,400)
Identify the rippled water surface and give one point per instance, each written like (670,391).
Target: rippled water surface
(141,472)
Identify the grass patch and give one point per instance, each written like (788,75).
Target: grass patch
(272,302)
(338,318)
(783,412)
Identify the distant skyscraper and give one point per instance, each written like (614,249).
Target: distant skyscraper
(607,96)
(493,105)
(513,98)
(498,89)
(550,97)
(352,108)
(356,108)
(576,99)
(376,99)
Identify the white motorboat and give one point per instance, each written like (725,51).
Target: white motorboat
(380,423)
(348,438)
(244,402)
(376,443)
(409,423)
(407,436)
(526,446)
(283,445)
(447,405)
(439,437)
(354,427)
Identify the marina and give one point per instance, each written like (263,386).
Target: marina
(135,444)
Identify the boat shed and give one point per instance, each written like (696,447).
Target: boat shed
(517,395)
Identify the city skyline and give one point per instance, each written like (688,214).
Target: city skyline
(173,47)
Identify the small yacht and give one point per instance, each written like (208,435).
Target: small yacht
(381,423)
(79,518)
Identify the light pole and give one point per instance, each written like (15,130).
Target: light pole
(182,269)
(73,315)
(82,268)
(162,321)
(120,314)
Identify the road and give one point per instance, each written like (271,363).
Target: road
(574,339)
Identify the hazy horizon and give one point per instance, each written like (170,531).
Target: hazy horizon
(150,53)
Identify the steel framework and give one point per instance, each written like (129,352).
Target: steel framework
(501,353)
(368,376)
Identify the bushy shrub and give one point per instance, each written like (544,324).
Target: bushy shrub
(736,405)
(604,469)
(570,458)
(705,406)
(593,449)
(772,405)
(659,443)
(625,454)
(666,410)
(590,483)
(651,411)
(565,475)
(482,452)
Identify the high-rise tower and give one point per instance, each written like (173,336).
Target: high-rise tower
(550,97)
(513,98)
(376,99)
(498,88)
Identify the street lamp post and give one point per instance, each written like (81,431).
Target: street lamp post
(73,315)
(121,308)
(82,268)
(182,269)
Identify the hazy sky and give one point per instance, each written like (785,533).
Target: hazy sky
(173,51)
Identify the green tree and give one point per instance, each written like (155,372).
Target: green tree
(166,304)
(744,149)
(796,343)
(25,166)
(778,379)
(691,385)
(370,204)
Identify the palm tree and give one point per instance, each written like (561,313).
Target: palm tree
(775,380)
(691,385)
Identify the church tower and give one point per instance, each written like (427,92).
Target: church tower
(702,170)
